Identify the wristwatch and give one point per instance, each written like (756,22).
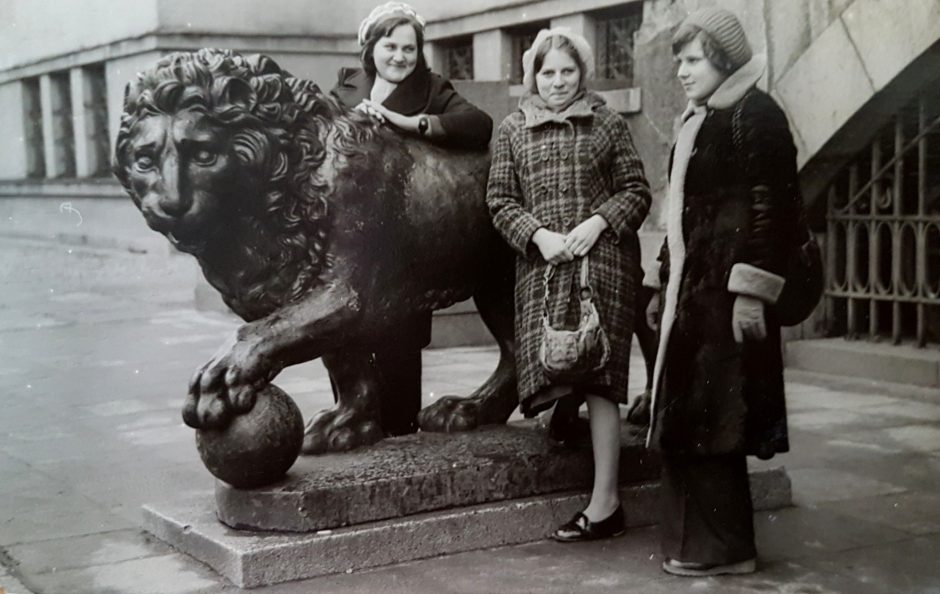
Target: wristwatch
(424,125)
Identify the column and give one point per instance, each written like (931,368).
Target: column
(581,24)
(84,150)
(492,55)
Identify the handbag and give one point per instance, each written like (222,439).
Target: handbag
(803,268)
(572,355)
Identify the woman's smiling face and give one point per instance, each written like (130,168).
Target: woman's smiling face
(396,55)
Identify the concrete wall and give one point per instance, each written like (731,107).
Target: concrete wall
(33,30)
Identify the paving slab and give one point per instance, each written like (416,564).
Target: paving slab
(798,532)
(167,574)
(914,513)
(65,519)
(11,585)
(815,485)
(85,551)
(251,559)
(908,566)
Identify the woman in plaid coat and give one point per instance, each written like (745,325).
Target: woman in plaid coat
(566,182)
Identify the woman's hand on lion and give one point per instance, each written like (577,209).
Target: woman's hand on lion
(384,114)
(552,246)
(582,238)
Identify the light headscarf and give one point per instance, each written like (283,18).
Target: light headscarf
(580,44)
(386,11)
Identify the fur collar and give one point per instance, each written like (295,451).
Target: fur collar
(734,87)
(536,113)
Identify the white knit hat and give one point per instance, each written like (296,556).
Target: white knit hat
(579,43)
(385,11)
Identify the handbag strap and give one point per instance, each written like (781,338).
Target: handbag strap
(586,291)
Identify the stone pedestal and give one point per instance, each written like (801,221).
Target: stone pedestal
(409,498)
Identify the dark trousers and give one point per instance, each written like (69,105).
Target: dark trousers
(398,359)
(400,381)
(706,510)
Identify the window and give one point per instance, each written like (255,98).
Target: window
(522,38)
(32,128)
(458,58)
(615,30)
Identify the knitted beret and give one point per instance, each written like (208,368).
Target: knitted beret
(579,43)
(726,30)
(386,11)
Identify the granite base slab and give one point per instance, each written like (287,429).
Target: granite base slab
(252,559)
(417,473)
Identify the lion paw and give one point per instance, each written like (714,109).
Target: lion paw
(337,430)
(451,414)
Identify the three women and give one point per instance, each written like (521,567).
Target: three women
(565,184)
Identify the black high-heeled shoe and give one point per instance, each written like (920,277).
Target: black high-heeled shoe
(580,528)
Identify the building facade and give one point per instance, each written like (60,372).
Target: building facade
(858,80)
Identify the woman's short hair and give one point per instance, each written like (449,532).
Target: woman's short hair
(564,44)
(687,33)
(384,29)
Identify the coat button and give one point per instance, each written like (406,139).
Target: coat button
(566,221)
(564,155)
(564,187)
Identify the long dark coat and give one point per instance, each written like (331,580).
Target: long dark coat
(555,171)
(713,395)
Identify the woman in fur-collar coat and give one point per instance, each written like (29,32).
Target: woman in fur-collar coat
(718,380)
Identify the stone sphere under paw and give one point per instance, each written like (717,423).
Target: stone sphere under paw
(258,447)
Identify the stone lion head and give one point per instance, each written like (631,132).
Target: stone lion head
(211,138)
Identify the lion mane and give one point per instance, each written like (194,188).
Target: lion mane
(286,132)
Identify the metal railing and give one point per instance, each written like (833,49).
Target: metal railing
(883,241)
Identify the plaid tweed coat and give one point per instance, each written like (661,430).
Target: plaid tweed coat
(555,170)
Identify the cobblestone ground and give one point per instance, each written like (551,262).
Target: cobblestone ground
(96,349)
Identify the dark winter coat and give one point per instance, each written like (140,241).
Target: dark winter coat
(555,170)
(465,126)
(712,395)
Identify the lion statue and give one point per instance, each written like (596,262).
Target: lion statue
(319,227)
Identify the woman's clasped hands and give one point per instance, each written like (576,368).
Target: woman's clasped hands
(557,248)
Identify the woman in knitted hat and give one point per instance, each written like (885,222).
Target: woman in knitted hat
(396,86)
(565,183)
(718,379)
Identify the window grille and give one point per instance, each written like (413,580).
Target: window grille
(883,242)
(614,42)
(458,60)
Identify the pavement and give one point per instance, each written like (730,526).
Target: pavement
(97,347)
